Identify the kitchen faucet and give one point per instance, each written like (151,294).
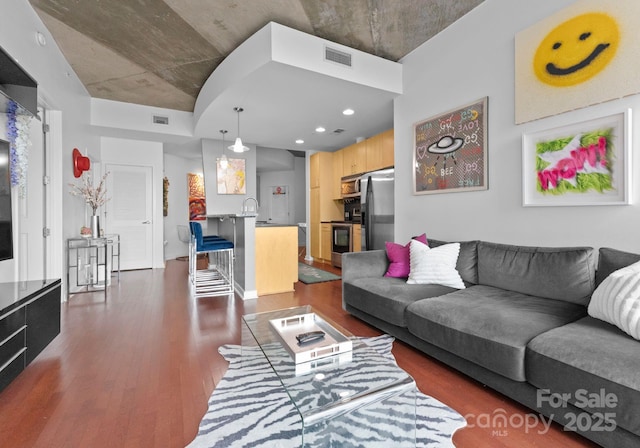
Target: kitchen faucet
(245,209)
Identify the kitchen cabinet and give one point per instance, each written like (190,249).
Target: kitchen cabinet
(371,154)
(325,241)
(337,158)
(354,159)
(373,147)
(322,206)
(314,225)
(379,149)
(314,170)
(321,170)
(387,149)
(356,234)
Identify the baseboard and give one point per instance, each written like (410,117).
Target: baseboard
(245,295)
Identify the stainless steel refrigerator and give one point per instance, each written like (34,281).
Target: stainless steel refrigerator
(376,206)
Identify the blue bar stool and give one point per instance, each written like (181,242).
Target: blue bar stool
(217,278)
(196,227)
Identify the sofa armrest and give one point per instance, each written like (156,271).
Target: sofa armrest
(371,263)
(355,265)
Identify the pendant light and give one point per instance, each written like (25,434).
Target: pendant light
(238,146)
(224,162)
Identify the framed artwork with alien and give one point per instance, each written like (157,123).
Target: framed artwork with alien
(450,150)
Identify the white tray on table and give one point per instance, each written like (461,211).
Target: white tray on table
(333,343)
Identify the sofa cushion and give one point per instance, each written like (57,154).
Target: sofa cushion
(587,357)
(398,255)
(617,300)
(489,326)
(387,298)
(435,266)
(566,274)
(467,265)
(610,260)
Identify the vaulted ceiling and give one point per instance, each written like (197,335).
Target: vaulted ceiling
(160,52)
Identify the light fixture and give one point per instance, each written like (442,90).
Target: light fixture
(320,129)
(348,112)
(238,146)
(299,141)
(224,162)
(40,39)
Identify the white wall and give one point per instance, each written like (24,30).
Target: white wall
(295,180)
(118,119)
(471,59)
(176,169)
(59,89)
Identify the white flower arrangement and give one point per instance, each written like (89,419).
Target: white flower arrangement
(94,196)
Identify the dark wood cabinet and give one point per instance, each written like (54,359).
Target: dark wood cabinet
(29,321)
(43,322)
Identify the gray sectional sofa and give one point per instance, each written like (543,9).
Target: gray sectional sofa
(520,326)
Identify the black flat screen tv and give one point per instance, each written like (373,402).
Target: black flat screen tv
(6,225)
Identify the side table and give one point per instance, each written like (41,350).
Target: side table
(90,262)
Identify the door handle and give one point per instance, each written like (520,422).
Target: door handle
(146,222)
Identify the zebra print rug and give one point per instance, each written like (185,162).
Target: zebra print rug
(249,408)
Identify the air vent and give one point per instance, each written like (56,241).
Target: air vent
(338,131)
(337,56)
(157,119)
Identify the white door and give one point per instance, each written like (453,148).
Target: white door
(129,213)
(279,205)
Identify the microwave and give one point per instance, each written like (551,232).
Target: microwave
(350,186)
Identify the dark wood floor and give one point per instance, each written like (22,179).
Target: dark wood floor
(137,370)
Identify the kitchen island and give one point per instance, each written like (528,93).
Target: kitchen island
(266,255)
(276,258)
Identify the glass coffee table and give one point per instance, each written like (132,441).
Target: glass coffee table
(352,394)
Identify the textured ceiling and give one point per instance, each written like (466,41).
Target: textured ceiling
(160,53)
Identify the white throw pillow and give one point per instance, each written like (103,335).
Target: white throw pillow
(617,300)
(434,266)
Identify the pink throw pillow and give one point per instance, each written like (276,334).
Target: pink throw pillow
(398,256)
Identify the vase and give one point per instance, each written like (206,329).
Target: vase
(95,226)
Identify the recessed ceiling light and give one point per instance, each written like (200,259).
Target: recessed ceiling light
(320,129)
(348,112)
(299,141)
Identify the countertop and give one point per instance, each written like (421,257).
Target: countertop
(233,215)
(267,224)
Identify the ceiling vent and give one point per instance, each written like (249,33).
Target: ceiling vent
(338,131)
(157,119)
(337,56)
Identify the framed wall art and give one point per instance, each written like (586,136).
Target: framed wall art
(586,163)
(584,54)
(231,178)
(450,151)
(197,201)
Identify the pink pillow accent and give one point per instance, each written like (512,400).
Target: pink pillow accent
(398,255)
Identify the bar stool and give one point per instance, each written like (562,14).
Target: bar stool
(217,278)
(196,227)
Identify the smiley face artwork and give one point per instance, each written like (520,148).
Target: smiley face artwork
(581,55)
(577,50)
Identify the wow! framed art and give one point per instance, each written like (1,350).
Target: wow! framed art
(587,163)
(450,151)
